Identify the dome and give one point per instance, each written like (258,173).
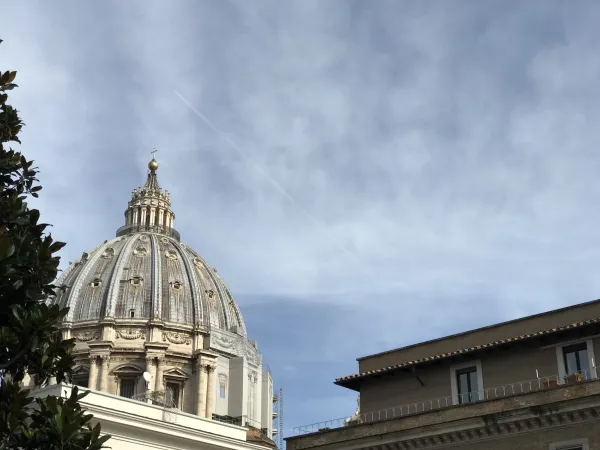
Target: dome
(147,273)
(147,276)
(152,321)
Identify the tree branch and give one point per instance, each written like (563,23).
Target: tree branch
(18,356)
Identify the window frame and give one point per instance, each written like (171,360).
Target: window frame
(179,385)
(560,358)
(573,444)
(454,381)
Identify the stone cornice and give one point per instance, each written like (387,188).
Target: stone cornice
(101,345)
(484,429)
(158,346)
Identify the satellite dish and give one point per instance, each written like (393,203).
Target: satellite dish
(147,378)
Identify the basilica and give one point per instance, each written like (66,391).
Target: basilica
(154,322)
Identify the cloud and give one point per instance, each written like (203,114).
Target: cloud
(446,154)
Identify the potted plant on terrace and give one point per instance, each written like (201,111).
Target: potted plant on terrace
(551,382)
(573,378)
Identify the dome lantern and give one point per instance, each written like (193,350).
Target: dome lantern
(150,208)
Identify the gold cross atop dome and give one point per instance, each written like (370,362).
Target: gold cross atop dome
(153,165)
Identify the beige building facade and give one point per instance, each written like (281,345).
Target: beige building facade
(135,425)
(531,383)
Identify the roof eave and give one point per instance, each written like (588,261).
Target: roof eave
(353,381)
(353,385)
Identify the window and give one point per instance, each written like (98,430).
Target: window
(131,313)
(81,381)
(127,388)
(578,444)
(172,395)
(576,359)
(222,390)
(466,382)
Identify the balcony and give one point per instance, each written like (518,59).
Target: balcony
(465,400)
(126,419)
(137,228)
(165,401)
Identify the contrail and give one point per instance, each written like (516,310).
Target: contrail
(269,178)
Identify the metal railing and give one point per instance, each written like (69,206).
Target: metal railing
(170,411)
(156,398)
(158,229)
(243,421)
(507,390)
(162,399)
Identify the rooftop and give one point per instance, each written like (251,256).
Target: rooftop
(526,399)
(488,327)
(536,326)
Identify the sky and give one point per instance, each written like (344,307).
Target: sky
(363,174)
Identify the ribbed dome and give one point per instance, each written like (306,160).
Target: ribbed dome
(146,273)
(148,276)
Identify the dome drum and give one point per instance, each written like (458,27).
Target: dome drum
(137,336)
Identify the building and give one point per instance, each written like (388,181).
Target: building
(153,322)
(528,384)
(135,425)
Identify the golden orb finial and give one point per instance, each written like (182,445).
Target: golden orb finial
(153,165)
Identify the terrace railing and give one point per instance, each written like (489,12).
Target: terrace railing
(507,390)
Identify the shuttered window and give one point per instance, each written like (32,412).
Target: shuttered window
(127,388)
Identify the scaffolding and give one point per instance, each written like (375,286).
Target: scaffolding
(280,435)
(278,419)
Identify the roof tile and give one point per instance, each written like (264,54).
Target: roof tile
(357,376)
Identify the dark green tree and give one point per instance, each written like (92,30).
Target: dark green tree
(30,338)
